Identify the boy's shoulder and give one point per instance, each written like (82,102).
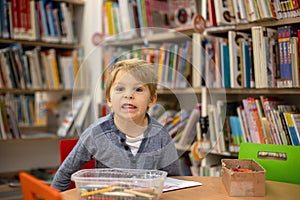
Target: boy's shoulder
(101,125)
(158,127)
(103,122)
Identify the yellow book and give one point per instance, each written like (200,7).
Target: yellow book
(110,18)
(161,64)
(53,65)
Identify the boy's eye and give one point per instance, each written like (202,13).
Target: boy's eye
(119,89)
(139,89)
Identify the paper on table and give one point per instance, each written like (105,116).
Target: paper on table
(175,184)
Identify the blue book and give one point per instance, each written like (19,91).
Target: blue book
(49,10)
(225,66)
(5,32)
(44,19)
(246,64)
(236,129)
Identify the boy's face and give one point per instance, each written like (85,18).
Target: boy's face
(130,98)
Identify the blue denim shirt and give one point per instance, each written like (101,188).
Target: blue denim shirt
(107,145)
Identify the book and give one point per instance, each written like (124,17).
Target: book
(68,23)
(69,120)
(244,124)
(189,131)
(12,123)
(236,131)
(66,68)
(254,123)
(224,12)
(240,11)
(176,184)
(296,121)
(252,11)
(5,21)
(44,25)
(236,72)
(52,64)
(82,115)
(294,54)
(224,64)
(291,128)
(263,56)
(49,16)
(198,59)
(41,115)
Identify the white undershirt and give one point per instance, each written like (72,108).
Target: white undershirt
(134,143)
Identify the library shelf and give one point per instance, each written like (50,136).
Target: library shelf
(79,2)
(40,43)
(163,35)
(232,93)
(247,26)
(269,23)
(32,91)
(250,91)
(197,90)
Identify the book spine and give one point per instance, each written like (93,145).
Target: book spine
(291,128)
(45,33)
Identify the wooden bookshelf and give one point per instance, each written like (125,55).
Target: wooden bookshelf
(32,91)
(247,26)
(269,23)
(41,63)
(250,91)
(41,44)
(167,35)
(79,2)
(229,91)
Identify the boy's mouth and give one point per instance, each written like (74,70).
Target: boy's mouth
(128,106)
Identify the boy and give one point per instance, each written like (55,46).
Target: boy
(128,137)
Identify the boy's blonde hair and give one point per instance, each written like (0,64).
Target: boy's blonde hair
(140,69)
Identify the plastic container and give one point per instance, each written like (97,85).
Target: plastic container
(119,183)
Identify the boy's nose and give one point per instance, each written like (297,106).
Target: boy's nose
(129,95)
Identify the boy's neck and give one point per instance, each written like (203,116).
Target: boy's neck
(131,128)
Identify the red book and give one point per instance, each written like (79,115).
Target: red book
(212,13)
(15,18)
(298,42)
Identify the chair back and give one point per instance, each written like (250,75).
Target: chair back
(34,189)
(281,162)
(65,147)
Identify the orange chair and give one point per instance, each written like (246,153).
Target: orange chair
(34,189)
(65,147)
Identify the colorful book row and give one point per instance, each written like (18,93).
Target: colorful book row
(39,20)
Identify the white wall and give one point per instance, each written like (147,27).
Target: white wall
(93,55)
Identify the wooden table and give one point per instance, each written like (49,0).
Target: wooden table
(213,188)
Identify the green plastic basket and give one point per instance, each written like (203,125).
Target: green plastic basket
(281,162)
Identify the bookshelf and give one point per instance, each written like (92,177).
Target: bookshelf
(215,27)
(288,92)
(40,62)
(67,18)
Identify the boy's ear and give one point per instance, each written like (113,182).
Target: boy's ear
(153,100)
(108,100)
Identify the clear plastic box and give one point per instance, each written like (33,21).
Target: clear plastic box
(114,183)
